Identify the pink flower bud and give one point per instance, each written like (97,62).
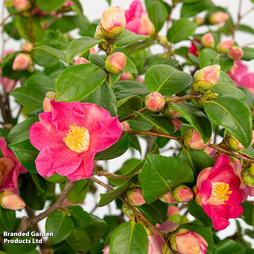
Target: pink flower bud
(47,107)
(182,194)
(207,41)
(92,51)
(106,250)
(235,145)
(135,196)
(8,84)
(12,201)
(206,78)
(172,210)
(193,140)
(21,62)
(27,47)
(125,126)
(199,21)
(187,242)
(225,46)
(115,62)
(154,102)
(167,198)
(113,21)
(81,60)
(127,76)
(235,53)
(218,17)
(21,5)
(68,3)
(169,109)
(177,124)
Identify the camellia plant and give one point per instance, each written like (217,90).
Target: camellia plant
(69,103)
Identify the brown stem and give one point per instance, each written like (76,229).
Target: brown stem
(132,115)
(104,173)
(1,239)
(28,223)
(4,19)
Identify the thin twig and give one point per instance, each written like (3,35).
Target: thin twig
(104,173)
(4,19)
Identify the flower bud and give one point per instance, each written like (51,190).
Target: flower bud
(172,210)
(167,198)
(207,41)
(21,62)
(98,33)
(81,60)
(135,196)
(235,145)
(21,5)
(127,211)
(224,46)
(115,62)
(10,200)
(106,250)
(193,140)
(182,193)
(187,242)
(8,84)
(47,107)
(209,96)
(113,21)
(235,53)
(199,21)
(125,126)
(169,109)
(154,101)
(146,27)
(127,76)
(68,3)
(248,178)
(206,78)
(218,17)
(177,124)
(27,47)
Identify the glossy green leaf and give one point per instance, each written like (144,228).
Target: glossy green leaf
(197,118)
(208,57)
(162,60)
(28,96)
(97,229)
(60,225)
(245,28)
(116,150)
(8,218)
(248,152)
(56,52)
(233,115)
(229,246)
(130,67)
(78,81)
(126,38)
(48,5)
(44,58)
(140,124)
(192,8)
(248,213)
(113,78)
(41,82)
(160,174)
(248,54)
(129,238)
(98,60)
(79,46)
(130,104)
(166,80)
(80,217)
(181,30)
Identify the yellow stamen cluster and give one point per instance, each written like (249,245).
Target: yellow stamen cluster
(222,192)
(77,139)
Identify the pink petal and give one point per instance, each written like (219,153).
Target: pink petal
(219,223)
(168,227)
(206,191)
(57,158)
(133,25)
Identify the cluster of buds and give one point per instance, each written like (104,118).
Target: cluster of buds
(248,175)
(10,200)
(227,47)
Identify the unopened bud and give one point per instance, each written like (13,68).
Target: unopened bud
(235,145)
(224,46)
(113,21)
(115,62)
(21,5)
(169,110)
(68,3)
(187,242)
(92,51)
(207,41)
(154,101)
(182,193)
(177,124)
(206,78)
(125,126)
(127,211)
(27,47)
(172,210)
(218,17)
(135,196)
(127,76)
(193,140)
(248,178)
(199,21)
(81,60)
(167,198)
(47,107)
(21,62)
(208,96)
(10,200)
(235,53)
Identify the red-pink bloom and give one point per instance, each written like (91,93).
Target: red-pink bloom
(106,250)
(10,168)
(193,49)
(137,19)
(69,137)
(241,70)
(218,189)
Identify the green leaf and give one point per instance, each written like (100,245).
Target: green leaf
(158,14)
(28,96)
(140,125)
(130,67)
(208,57)
(56,178)
(79,46)
(104,97)
(192,8)
(226,87)
(48,5)
(162,60)
(126,38)
(97,229)
(20,131)
(130,104)
(41,82)
(248,152)
(166,80)
(8,218)
(113,78)
(229,246)
(25,153)
(181,30)
(245,28)
(197,118)
(160,174)
(58,53)
(129,238)
(78,81)
(134,142)
(112,195)
(44,58)
(248,213)
(248,53)
(162,123)
(80,217)
(116,150)
(233,115)
(98,60)
(60,225)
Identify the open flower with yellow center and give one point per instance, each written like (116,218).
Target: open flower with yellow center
(219,193)
(70,135)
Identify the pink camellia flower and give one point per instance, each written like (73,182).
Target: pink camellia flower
(219,193)
(70,135)
(137,19)
(193,48)
(247,81)
(10,168)
(240,71)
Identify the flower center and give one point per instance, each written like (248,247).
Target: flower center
(220,193)
(77,139)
